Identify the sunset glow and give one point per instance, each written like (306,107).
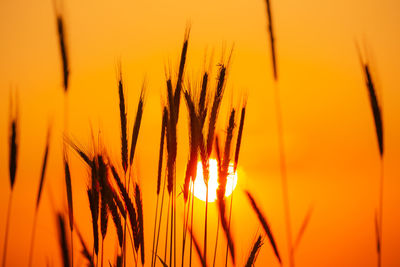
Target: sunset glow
(200,189)
(106,107)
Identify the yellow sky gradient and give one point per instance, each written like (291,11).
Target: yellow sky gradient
(331,148)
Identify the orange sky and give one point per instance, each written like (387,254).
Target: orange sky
(331,148)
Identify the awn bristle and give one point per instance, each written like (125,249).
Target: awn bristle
(69,193)
(63,240)
(253,254)
(136,127)
(80,152)
(139,207)
(160,158)
(272,39)
(46,153)
(122,114)
(264,224)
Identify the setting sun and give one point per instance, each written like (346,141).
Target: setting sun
(110,112)
(200,187)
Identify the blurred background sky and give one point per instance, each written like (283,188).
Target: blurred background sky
(331,148)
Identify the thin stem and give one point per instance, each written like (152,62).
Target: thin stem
(136,260)
(154,231)
(191,228)
(282,160)
(380,211)
(183,230)
(166,231)
(159,222)
(102,251)
(172,229)
(186,213)
(229,223)
(32,239)
(205,226)
(7,229)
(174,198)
(216,244)
(72,248)
(124,245)
(133,248)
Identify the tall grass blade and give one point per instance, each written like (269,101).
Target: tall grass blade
(254,251)
(41,182)
(303,228)
(62,235)
(264,224)
(271,38)
(198,249)
(68,185)
(44,165)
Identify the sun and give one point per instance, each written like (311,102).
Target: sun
(200,190)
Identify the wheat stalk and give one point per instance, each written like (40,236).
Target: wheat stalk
(160,164)
(376,108)
(13,160)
